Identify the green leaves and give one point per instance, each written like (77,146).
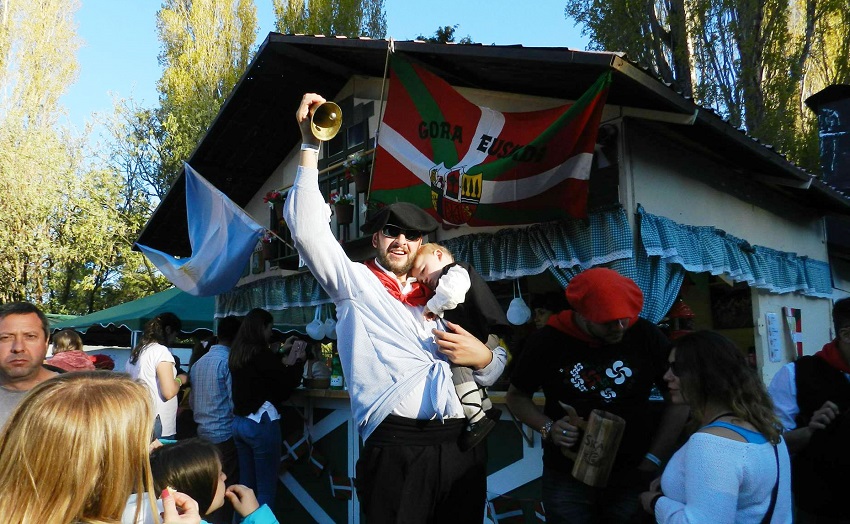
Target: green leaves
(753,61)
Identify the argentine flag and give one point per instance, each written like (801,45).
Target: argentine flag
(222,237)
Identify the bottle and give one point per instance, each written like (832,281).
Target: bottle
(337,380)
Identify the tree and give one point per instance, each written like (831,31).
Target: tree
(206,45)
(445,35)
(37,162)
(351,18)
(66,225)
(753,61)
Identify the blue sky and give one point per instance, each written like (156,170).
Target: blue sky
(119,54)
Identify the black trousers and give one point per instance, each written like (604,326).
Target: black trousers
(412,471)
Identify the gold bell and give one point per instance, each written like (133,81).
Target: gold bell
(326,121)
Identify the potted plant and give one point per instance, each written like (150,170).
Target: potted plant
(275,200)
(357,170)
(343,207)
(267,240)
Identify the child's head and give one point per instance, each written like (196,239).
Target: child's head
(191,466)
(75,448)
(67,340)
(429,263)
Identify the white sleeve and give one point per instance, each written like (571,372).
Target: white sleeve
(488,376)
(307,216)
(713,473)
(451,290)
(783,392)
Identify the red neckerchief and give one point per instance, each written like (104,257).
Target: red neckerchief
(565,322)
(418,295)
(832,355)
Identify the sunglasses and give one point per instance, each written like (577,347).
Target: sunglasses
(391,231)
(672,367)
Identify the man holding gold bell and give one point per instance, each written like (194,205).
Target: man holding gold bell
(597,356)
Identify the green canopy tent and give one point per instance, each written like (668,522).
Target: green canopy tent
(194,312)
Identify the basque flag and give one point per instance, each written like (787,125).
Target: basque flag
(467,164)
(222,237)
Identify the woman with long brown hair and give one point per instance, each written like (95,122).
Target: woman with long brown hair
(76,448)
(152,363)
(735,465)
(261,380)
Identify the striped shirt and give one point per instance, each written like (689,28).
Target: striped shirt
(210,396)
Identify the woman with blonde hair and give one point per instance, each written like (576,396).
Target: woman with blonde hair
(735,465)
(74,450)
(68,352)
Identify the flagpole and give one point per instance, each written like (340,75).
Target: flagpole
(390,51)
(342,162)
(281,239)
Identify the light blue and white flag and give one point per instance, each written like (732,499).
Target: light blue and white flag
(222,237)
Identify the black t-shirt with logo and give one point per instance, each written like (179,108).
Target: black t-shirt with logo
(617,378)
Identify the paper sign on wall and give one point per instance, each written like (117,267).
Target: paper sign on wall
(774,337)
(794,321)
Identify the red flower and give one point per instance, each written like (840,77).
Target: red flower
(273,197)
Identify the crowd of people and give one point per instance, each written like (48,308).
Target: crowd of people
(420,337)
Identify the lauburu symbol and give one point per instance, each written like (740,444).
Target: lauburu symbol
(619,372)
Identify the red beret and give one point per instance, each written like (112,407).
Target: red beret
(602,295)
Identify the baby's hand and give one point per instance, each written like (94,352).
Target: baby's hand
(243,499)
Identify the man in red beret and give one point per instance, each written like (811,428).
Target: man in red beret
(599,355)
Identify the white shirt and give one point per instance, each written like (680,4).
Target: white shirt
(389,356)
(451,290)
(144,370)
(719,480)
(783,392)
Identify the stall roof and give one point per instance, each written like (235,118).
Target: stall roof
(255,130)
(194,313)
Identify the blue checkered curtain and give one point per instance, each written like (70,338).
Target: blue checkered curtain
(563,247)
(300,290)
(708,249)
(659,281)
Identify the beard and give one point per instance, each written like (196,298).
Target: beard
(398,267)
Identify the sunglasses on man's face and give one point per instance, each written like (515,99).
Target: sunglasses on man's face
(391,231)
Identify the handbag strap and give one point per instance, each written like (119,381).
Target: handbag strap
(773,494)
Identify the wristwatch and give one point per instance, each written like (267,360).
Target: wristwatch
(546,430)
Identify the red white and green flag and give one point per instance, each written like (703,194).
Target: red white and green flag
(467,164)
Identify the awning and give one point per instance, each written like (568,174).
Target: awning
(708,249)
(194,313)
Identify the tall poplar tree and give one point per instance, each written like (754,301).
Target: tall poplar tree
(65,233)
(37,162)
(350,18)
(206,46)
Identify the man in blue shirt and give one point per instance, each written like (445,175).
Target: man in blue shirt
(212,405)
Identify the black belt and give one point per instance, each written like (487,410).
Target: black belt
(401,431)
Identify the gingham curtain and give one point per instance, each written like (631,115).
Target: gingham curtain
(564,247)
(708,249)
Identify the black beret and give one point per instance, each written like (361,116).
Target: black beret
(403,215)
